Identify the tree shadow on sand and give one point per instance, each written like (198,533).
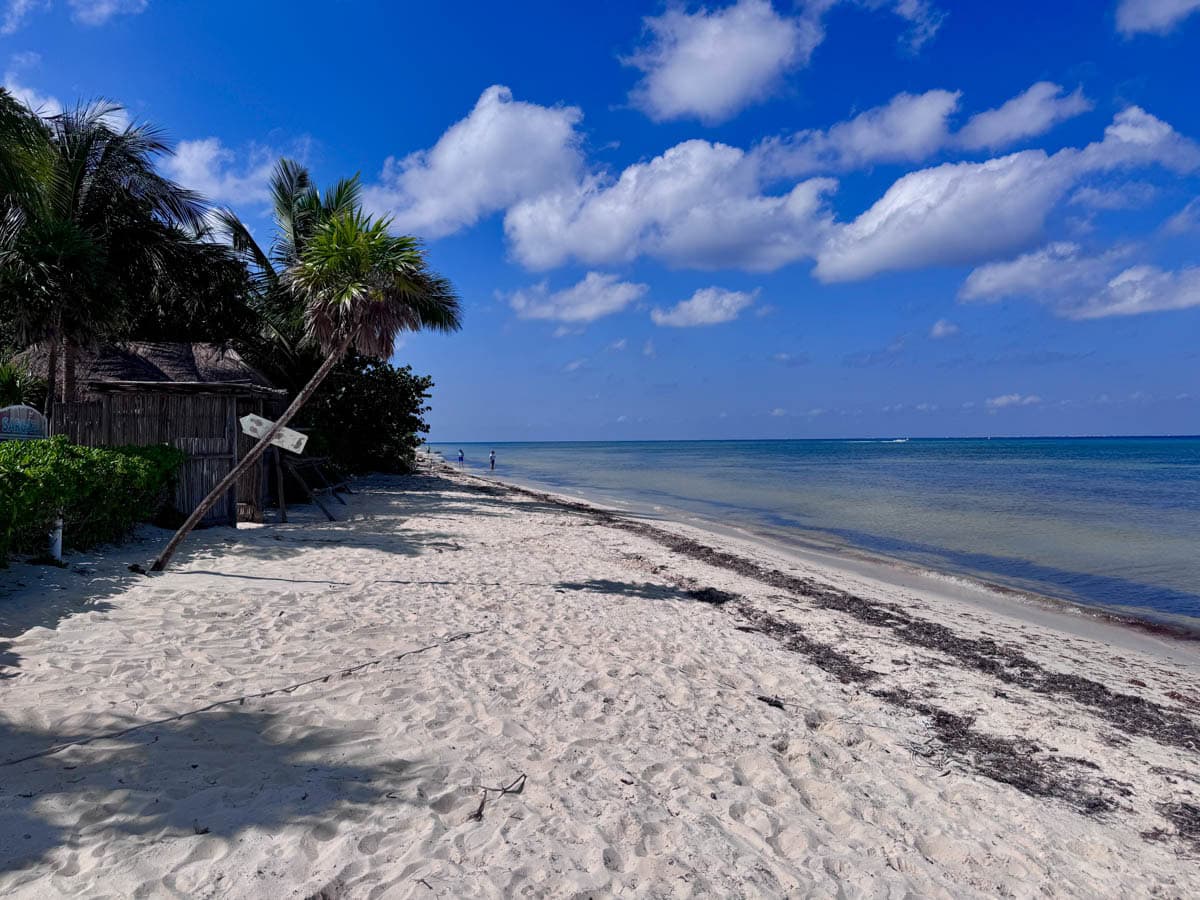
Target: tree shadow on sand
(216,774)
(42,610)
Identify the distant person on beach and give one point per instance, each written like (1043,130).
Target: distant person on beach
(460,457)
(492,459)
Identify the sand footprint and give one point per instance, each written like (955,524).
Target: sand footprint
(370,844)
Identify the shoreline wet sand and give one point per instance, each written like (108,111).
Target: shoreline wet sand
(1116,625)
(349,707)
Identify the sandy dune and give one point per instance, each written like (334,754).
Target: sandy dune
(686,726)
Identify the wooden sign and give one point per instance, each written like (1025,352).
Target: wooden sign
(21,423)
(257,426)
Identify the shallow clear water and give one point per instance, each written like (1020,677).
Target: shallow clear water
(1104,521)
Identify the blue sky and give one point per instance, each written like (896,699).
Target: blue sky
(828,218)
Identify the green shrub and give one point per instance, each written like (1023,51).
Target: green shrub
(101,492)
(17,386)
(368,416)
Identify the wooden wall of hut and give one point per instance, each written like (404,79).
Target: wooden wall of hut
(202,425)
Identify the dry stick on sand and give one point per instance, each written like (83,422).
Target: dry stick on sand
(517,785)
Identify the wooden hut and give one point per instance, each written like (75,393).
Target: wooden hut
(187,395)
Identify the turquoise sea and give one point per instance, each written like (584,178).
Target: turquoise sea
(1110,522)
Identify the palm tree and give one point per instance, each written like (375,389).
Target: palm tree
(17,385)
(281,348)
(359,286)
(90,232)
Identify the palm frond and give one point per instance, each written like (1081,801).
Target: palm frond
(344,197)
(360,281)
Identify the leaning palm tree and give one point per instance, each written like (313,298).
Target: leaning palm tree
(280,348)
(360,286)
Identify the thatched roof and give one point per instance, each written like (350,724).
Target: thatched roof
(186,366)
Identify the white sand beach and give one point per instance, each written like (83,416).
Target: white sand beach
(318,709)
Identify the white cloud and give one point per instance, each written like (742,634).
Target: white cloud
(791,360)
(1153,16)
(618,345)
(1053,270)
(648,349)
(504,151)
(1143,289)
(925,18)
(909,127)
(698,204)
(1004,401)
(214,171)
(1032,113)
(708,306)
(912,127)
(575,365)
(1187,219)
(1078,286)
(597,295)
(85,12)
(949,214)
(1131,195)
(17,11)
(44,104)
(711,65)
(779,412)
(943,328)
(1136,138)
(97,12)
(966,212)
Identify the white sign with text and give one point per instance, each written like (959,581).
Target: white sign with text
(21,423)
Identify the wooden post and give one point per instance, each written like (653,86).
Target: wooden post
(279,486)
(329,487)
(231,436)
(309,492)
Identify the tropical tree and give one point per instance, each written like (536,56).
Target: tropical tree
(90,232)
(18,386)
(280,347)
(359,287)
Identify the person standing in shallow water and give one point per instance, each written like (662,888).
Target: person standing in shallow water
(492,460)
(460,457)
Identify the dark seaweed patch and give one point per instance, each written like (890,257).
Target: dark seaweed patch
(1134,715)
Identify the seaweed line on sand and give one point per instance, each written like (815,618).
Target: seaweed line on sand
(1016,762)
(1134,715)
(1013,761)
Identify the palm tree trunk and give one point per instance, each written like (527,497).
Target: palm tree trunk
(253,456)
(70,357)
(52,376)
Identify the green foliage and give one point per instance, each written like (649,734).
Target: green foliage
(97,245)
(101,493)
(358,280)
(368,416)
(18,386)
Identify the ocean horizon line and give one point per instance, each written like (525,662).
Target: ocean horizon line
(886,437)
